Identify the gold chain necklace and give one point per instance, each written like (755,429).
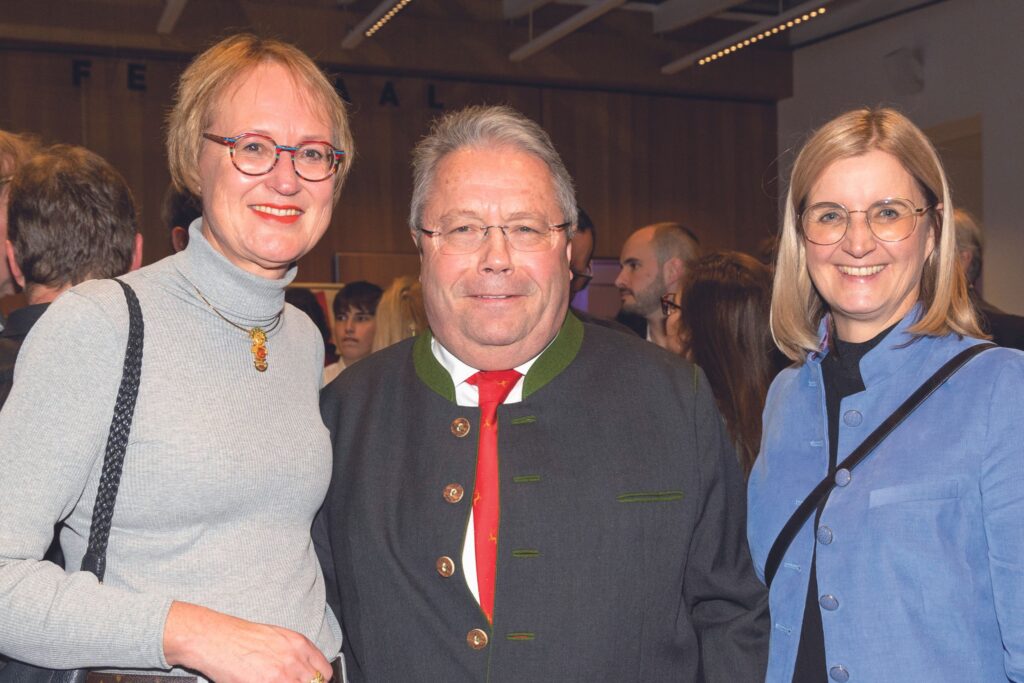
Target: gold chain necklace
(257,335)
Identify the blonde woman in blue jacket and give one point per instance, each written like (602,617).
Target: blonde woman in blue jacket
(912,569)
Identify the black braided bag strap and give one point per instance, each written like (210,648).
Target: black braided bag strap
(95,559)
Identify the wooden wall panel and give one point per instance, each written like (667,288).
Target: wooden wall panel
(376,267)
(643,159)
(707,165)
(373,213)
(602,139)
(636,158)
(123,125)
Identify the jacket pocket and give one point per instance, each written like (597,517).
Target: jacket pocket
(906,493)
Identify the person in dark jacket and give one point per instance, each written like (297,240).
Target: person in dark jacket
(1006,329)
(479,525)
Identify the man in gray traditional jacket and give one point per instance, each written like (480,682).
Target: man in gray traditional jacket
(480,525)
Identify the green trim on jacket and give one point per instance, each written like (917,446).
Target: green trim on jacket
(555,358)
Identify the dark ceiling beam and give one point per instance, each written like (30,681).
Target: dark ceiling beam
(442,48)
(169,17)
(513,9)
(673,14)
(556,33)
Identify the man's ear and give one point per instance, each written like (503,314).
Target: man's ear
(568,257)
(672,271)
(179,238)
(12,263)
(136,253)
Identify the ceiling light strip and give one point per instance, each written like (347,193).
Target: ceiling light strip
(387,17)
(766,29)
(371,23)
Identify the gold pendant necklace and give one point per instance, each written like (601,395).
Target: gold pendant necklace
(257,335)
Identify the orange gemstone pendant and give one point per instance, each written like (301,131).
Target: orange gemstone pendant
(259,348)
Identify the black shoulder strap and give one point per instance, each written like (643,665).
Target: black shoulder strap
(825,486)
(95,559)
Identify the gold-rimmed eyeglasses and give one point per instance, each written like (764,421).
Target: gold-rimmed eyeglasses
(255,154)
(467,237)
(891,220)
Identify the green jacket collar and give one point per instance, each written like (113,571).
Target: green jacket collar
(555,358)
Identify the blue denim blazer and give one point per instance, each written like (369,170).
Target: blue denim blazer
(920,555)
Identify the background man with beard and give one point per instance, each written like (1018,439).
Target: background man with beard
(480,525)
(654,259)
(583,242)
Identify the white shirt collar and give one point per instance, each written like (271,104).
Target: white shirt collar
(467,394)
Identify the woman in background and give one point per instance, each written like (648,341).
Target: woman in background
(719,316)
(355,324)
(400,314)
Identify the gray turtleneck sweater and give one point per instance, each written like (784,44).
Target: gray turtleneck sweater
(225,467)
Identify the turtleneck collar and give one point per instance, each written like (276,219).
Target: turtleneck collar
(237,294)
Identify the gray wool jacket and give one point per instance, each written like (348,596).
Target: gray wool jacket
(622,552)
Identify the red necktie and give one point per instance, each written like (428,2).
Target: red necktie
(494,386)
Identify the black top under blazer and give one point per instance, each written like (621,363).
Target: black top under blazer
(622,552)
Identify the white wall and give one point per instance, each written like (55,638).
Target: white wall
(973,65)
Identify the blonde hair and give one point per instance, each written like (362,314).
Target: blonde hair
(211,73)
(400,313)
(15,150)
(797,308)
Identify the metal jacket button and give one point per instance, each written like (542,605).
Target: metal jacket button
(445,566)
(453,492)
(853,418)
(824,535)
(460,427)
(828,602)
(477,639)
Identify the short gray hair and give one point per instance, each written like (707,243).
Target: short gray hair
(486,126)
(675,240)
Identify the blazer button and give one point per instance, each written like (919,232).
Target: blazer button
(445,566)
(477,639)
(843,477)
(829,602)
(453,492)
(460,427)
(839,673)
(853,418)
(824,535)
